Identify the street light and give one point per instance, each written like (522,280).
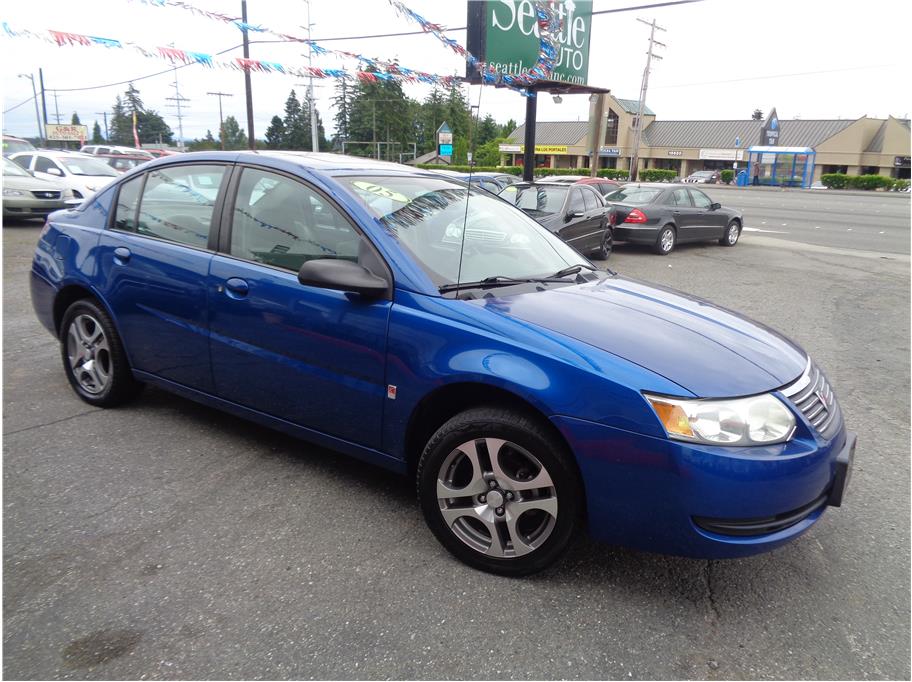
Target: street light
(35,98)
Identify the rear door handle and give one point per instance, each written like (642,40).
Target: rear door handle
(122,255)
(236,287)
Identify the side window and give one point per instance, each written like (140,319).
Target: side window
(588,200)
(679,197)
(178,203)
(575,202)
(43,164)
(127,201)
(25,160)
(281,222)
(102,150)
(700,200)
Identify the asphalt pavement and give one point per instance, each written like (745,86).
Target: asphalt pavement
(168,540)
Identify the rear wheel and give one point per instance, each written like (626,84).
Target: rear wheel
(732,233)
(499,491)
(603,252)
(665,242)
(93,356)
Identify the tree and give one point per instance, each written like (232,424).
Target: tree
(234,137)
(342,119)
(150,126)
(275,133)
(204,144)
(75,120)
(297,128)
(508,128)
(488,154)
(97,137)
(487,131)
(381,112)
(757,115)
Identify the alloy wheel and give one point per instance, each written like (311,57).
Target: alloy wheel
(89,354)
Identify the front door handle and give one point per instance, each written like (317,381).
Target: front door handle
(122,255)
(236,287)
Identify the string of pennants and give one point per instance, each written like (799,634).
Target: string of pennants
(370,69)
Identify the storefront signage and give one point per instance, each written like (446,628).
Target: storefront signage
(901,161)
(675,152)
(769,134)
(609,151)
(69,133)
(504,34)
(721,154)
(539,148)
(444,140)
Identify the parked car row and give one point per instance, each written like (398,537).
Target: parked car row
(422,325)
(25,196)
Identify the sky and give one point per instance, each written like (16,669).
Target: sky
(809,59)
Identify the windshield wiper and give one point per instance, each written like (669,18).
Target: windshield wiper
(496,281)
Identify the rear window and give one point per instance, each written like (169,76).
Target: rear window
(634,195)
(11,146)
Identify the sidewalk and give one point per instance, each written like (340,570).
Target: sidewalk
(849,192)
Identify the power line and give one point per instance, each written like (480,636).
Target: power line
(651,6)
(779,75)
(18,105)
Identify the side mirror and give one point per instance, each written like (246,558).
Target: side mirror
(573,214)
(343,275)
(715,206)
(55,171)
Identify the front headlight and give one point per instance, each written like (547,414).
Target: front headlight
(759,420)
(13,193)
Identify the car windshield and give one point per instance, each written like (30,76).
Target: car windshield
(11,146)
(634,195)
(430,218)
(537,198)
(87,166)
(702,174)
(10,168)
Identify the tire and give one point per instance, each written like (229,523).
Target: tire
(486,452)
(666,241)
(732,234)
(603,252)
(93,356)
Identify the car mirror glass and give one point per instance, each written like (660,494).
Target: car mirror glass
(715,206)
(55,171)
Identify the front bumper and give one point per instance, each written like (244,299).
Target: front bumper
(704,501)
(25,207)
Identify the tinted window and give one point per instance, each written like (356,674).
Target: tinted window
(127,201)
(540,198)
(178,203)
(576,205)
(678,197)
(700,200)
(634,195)
(280,222)
(25,160)
(591,198)
(43,164)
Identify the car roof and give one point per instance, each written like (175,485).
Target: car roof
(656,185)
(57,153)
(544,183)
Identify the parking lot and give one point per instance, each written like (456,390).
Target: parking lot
(169,540)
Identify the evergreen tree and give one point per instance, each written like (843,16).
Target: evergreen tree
(150,126)
(297,126)
(75,120)
(204,144)
(234,137)
(342,103)
(757,115)
(121,128)
(508,128)
(132,102)
(487,131)
(275,133)
(97,137)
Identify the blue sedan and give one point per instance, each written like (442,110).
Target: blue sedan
(406,319)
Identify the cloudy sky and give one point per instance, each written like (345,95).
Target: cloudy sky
(724,58)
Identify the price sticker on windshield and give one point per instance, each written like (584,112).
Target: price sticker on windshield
(380,191)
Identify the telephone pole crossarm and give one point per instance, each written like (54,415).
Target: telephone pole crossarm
(650,55)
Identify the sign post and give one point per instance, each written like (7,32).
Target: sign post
(445,141)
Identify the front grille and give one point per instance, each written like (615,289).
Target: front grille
(812,395)
(46,195)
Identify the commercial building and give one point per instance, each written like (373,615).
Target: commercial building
(853,146)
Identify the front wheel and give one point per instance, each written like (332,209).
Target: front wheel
(93,356)
(499,491)
(665,242)
(732,233)
(603,252)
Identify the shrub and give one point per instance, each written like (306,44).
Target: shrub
(727,176)
(868,182)
(614,173)
(512,170)
(833,180)
(900,185)
(657,175)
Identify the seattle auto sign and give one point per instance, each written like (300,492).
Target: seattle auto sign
(504,34)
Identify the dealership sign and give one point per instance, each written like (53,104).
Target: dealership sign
(769,135)
(504,35)
(722,154)
(67,133)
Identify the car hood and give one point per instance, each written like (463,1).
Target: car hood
(29,184)
(705,349)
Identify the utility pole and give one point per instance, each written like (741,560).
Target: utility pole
(221,121)
(251,140)
(314,137)
(56,110)
(31,77)
(105,114)
(44,111)
(635,158)
(179,99)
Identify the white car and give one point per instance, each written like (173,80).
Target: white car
(106,149)
(81,173)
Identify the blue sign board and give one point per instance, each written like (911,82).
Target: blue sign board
(444,150)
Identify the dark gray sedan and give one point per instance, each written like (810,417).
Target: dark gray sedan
(663,216)
(575,213)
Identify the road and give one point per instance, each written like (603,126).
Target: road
(167,540)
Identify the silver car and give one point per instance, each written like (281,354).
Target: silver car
(25,196)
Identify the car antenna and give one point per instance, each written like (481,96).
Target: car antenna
(465,218)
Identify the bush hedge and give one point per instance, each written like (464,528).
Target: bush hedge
(863,182)
(658,175)
(727,176)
